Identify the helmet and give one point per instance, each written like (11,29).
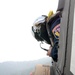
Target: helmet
(39,29)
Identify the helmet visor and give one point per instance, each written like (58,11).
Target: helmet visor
(36,35)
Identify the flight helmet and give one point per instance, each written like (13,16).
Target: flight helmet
(39,30)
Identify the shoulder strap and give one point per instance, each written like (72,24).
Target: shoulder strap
(49,34)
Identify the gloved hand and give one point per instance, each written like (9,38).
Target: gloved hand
(52,52)
(49,51)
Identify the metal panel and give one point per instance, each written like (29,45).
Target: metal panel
(61,5)
(72,67)
(60,65)
(63,37)
(66,38)
(70,42)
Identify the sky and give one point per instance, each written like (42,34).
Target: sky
(16,19)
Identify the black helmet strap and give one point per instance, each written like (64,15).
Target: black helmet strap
(42,47)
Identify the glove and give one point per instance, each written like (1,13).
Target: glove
(49,51)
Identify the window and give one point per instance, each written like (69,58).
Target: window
(72,66)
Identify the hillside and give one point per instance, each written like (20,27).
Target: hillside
(21,68)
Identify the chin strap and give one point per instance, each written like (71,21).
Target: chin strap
(42,47)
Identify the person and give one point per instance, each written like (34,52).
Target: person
(47,28)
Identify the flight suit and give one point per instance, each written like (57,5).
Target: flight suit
(55,32)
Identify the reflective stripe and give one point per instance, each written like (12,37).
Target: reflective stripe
(41,19)
(56,31)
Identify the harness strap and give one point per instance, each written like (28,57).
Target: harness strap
(49,34)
